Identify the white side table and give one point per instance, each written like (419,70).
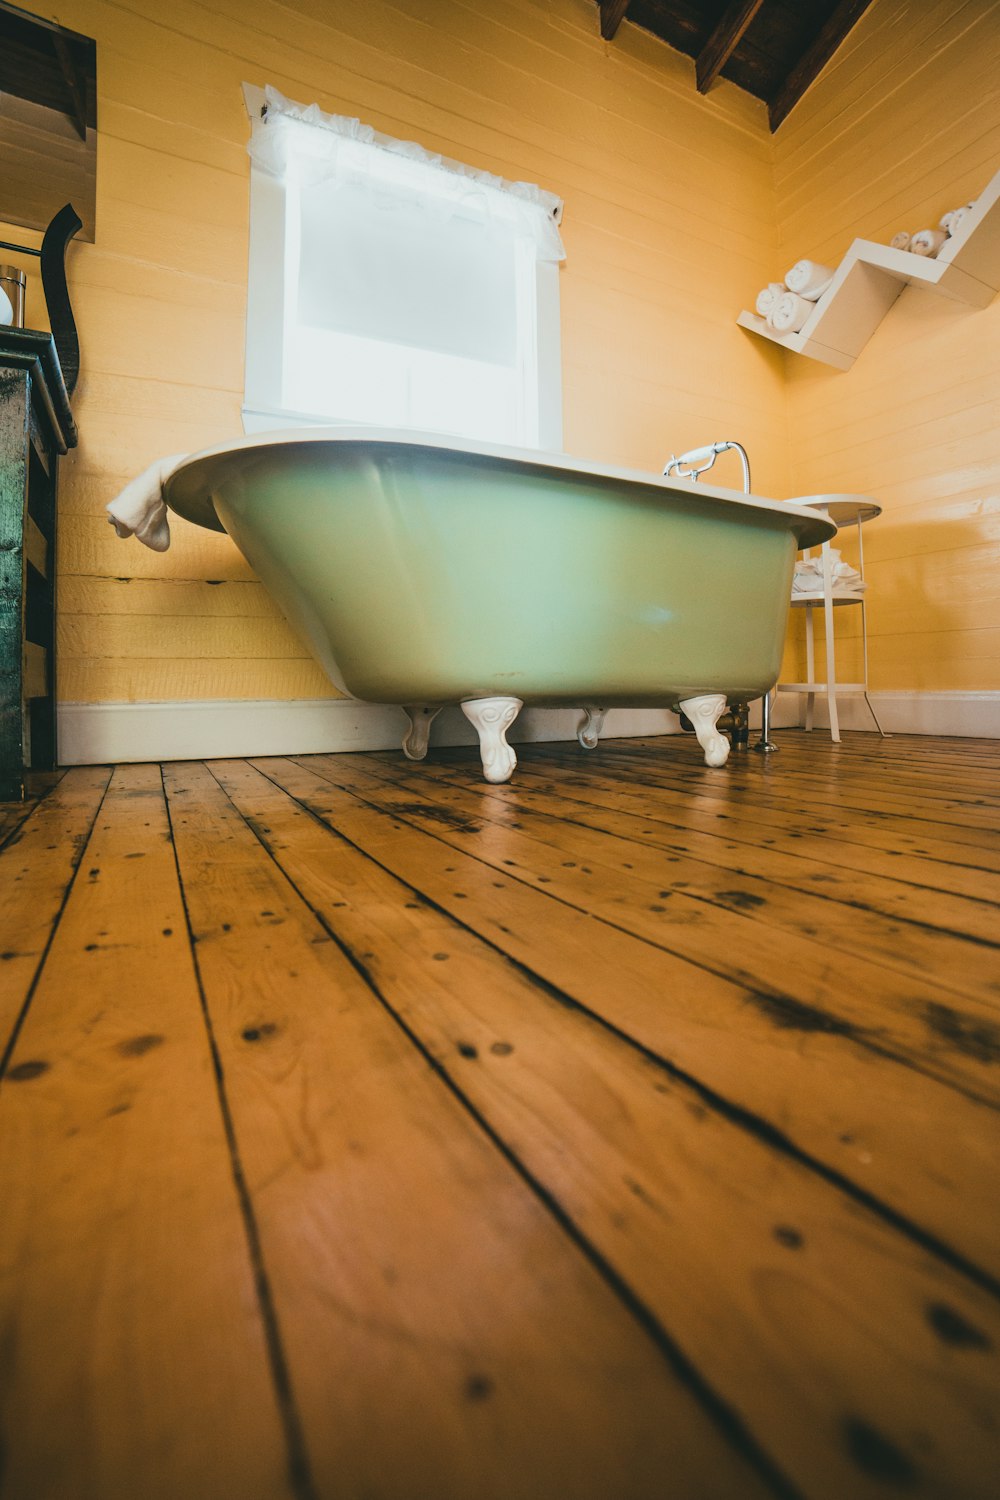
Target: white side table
(843,510)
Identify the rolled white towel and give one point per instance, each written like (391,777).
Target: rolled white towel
(768,296)
(958,216)
(809,279)
(789,313)
(946,220)
(6,309)
(139,510)
(901,241)
(927,242)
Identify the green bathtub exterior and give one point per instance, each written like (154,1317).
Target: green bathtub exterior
(418,572)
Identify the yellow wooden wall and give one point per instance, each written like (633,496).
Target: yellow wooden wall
(670,217)
(903,125)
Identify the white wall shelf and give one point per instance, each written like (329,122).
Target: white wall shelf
(870,278)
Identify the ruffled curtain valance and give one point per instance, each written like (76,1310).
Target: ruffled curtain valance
(302,143)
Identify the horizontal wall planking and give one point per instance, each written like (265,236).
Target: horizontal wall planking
(886,415)
(197,193)
(173,136)
(139,399)
(909,195)
(697,410)
(134,79)
(102,270)
(847,88)
(925,128)
(87,545)
(104,680)
(129,444)
(178,638)
(889,48)
(598,251)
(326,63)
(939,524)
(629,332)
(165,597)
(935,660)
(382,44)
(157,237)
(128,335)
(953,591)
(598,156)
(876,468)
(934,446)
(825,234)
(661,247)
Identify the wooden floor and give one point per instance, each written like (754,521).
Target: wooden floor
(625,1133)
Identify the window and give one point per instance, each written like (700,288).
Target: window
(391,287)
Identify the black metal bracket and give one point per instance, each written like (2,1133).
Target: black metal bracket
(54,242)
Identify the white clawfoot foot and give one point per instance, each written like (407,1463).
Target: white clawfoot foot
(417,737)
(589,731)
(491,718)
(705,713)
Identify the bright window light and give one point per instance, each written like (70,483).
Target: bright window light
(389,289)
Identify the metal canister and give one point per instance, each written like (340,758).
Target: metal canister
(13,281)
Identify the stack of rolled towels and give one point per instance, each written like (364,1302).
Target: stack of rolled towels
(808,576)
(785,305)
(930,241)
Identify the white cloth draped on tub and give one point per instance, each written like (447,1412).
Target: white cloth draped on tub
(139,509)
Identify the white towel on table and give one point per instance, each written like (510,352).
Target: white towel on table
(901,241)
(928,241)
(768,296)
(808,575)
(809,279)
(789,313)
(140,511)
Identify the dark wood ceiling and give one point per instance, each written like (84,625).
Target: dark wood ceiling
(48,65)
(771,48)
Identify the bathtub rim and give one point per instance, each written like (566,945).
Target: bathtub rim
(187,490)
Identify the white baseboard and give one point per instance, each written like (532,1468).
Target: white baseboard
(969,714)
(91,733)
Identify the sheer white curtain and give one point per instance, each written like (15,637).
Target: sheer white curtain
(409,284)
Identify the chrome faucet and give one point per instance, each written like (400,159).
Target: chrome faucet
(697,460)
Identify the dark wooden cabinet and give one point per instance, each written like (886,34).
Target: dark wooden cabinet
(36,427)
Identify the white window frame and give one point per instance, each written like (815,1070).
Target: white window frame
(271,296)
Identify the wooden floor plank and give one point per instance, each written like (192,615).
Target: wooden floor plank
(769,785)
(932,1023)
(134,1355)
(444,1336)
(820,842)
(926,1151)
(742,1252)
(36,867)
(937,916)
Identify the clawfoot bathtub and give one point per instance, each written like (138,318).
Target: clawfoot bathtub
(424,570)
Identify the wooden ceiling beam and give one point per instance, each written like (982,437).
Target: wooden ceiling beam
(814,59)
(612,16)
(723,42)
